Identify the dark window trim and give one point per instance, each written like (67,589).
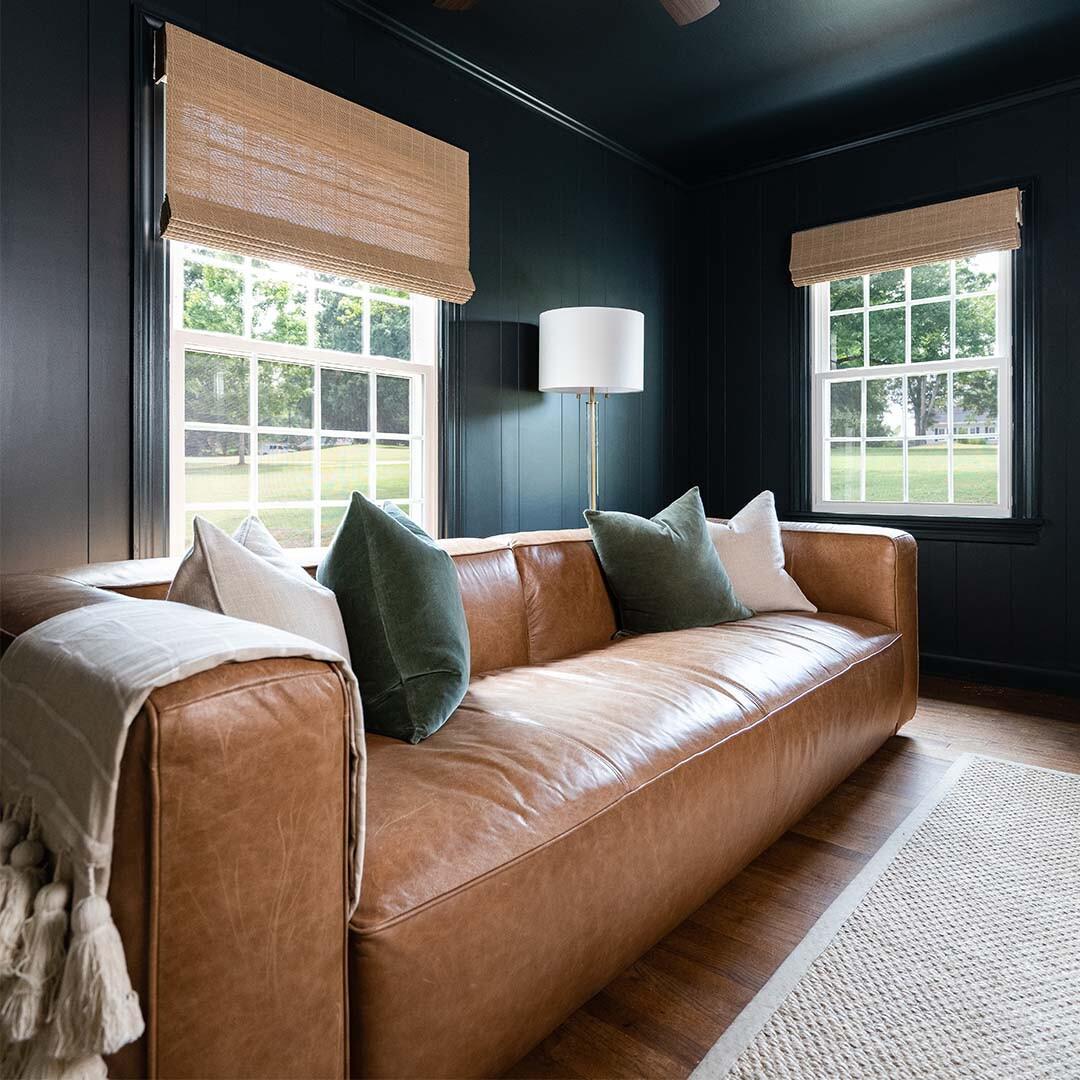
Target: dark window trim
(150,275)
(150,321)
(971,530)
(1025,525)
(451,388)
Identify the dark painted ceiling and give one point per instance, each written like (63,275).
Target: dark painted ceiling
(758,79)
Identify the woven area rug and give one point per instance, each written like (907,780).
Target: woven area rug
(954,953)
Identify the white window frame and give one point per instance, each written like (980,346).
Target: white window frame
(823,376)
(421,369)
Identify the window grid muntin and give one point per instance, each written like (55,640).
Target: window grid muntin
(420,373)
(824,374)
(370,436)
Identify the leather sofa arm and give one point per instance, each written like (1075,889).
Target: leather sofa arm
(229,882)
(866,572)
(230,886)
(28,599)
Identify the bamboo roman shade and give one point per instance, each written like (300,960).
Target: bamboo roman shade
(263,164)
(949,230)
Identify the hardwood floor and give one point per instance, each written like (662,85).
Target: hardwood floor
(660,1017)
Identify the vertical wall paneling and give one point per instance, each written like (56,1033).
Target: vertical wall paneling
(44,458)
(108,210)
(539,435)
(570,426)
(937,597)
(742,320)
(1070,139)
(620,476)
(774,413)
(481,355)
(984,601)
(697,422)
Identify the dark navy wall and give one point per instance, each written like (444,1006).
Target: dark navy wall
(1000,610)
(556,220)
(65,273)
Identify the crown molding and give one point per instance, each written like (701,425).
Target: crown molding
(503,86)
(972,112)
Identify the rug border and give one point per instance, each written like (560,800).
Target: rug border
(742,1031)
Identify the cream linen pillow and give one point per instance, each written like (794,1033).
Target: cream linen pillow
(750,547)
(249,576)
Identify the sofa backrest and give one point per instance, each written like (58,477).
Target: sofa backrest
(529,597)
(533,597)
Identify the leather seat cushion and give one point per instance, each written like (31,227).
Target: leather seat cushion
(533,752)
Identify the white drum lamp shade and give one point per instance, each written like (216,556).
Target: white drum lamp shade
(592,348)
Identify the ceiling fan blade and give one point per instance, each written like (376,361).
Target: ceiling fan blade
(453,5)
(685,12)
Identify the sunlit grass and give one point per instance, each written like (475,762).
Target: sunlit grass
(975,474)
(288,476)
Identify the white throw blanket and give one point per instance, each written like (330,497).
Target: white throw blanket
(69,689)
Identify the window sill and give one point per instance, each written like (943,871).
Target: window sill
(967,529)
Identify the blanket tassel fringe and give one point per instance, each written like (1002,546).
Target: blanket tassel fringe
(40,1065)
(96,1007)
(38,971)
(61,1009)
(19,883)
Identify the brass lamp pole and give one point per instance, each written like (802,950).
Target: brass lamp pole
(591,351)
(592,409)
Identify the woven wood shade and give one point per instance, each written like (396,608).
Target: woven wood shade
(260,163)
(949,230)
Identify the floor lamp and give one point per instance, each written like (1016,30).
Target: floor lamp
(592,350)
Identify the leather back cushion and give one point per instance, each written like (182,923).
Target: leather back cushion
(567,603)
(494,609)
(532,597)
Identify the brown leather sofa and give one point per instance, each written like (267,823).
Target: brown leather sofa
(586,797)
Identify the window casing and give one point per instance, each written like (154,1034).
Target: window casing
(288,390)
(911,407)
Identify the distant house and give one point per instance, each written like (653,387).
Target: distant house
(965,423)
(288,447)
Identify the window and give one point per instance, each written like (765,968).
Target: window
(912,390)
(288,390)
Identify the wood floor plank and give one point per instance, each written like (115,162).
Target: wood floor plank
(812,868)
(644,1018)
(739,962)
(894,770)
(711,994)
(596,1049)
(927,746)
(743,918)
(665,994)
(540,1065)
(658,1018)
(855,818)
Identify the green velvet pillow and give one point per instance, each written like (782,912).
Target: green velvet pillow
(401,604)
(664,570)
